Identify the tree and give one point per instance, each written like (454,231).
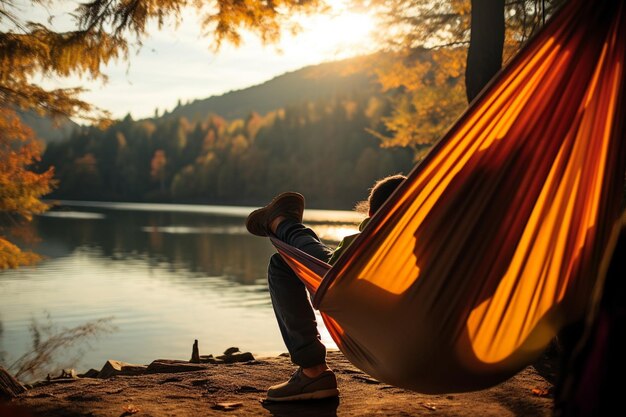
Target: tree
(105,30)
(484,55)
(20,188)
(100,31)
(428,62)
(157,168)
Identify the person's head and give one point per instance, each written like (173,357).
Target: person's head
(379,193)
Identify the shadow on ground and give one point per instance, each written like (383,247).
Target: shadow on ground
(313,408)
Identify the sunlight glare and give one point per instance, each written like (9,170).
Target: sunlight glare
(336,35)
(156,79)
(335,233)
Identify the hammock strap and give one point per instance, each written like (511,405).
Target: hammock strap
(309,269)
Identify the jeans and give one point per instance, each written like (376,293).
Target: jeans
(290,299)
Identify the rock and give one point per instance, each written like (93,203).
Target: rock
(9,386)
(195,353)
(113,368)
(232,355)
(237,357)
(68,373)
(92,373)
(231,350)
(169,366)
(209,359)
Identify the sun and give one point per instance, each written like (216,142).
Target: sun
(341,33)
(347,30)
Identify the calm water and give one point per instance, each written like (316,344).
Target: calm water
(165,274)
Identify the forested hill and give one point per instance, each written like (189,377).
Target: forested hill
(45,128)
(308,131)
(309,83)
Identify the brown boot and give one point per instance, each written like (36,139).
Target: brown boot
(289,205)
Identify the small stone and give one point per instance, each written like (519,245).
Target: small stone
(208,359)
(430,406)
(68,373)
(231,350)
(237,357)
(92,373)
(248,389)
(195,353)
(113,368)
(164,366)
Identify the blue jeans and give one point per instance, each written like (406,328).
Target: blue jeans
(290,299)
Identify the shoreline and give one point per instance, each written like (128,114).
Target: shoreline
(183,388)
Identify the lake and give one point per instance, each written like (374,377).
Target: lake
(163,274)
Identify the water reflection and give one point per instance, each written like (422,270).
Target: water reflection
(213,245)
(208,243)
(166,276)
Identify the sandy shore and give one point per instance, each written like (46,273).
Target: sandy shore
(238,389)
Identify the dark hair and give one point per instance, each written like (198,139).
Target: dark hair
(379,193)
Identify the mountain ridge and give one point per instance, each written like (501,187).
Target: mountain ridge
(309,83)
(46,128)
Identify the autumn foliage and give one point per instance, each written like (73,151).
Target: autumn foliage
(102,31)
(427,44)
(429,87)
(20,187)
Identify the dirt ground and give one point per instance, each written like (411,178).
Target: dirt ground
(238,389)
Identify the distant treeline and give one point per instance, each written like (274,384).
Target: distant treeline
(322,149)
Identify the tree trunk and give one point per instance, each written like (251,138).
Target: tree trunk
(484,57)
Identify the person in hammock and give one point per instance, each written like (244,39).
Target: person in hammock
(282,218)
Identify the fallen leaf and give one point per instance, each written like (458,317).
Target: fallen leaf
(227,406)
(541,392)
(430,406)
(130,410)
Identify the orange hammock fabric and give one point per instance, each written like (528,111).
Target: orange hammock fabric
(494,242)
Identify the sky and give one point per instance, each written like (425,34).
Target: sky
(178,63)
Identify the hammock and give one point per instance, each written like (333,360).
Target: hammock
(494,241)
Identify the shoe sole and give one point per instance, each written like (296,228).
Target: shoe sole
(316,395)
(253,223)
(260,216)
